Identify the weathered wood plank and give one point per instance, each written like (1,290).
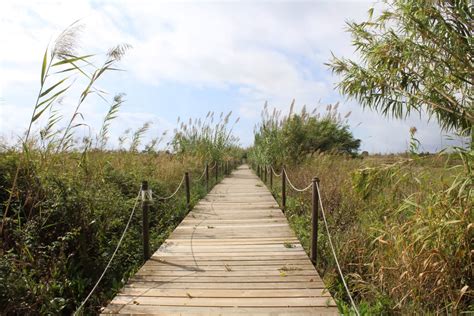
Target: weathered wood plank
(226,293)
(177,284)
(225,301)
(209,310)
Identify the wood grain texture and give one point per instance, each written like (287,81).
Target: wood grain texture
(233,254)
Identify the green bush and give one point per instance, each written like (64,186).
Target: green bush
(292,138)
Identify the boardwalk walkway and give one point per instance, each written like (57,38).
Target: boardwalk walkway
(234,254)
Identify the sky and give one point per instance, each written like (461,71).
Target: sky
(188,58)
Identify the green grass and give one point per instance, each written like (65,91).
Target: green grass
(65,221)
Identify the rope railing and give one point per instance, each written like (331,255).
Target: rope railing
(294,187)
(316,204)
(172,194)
(276,175)
(113,254)
(203,174)
(334,251)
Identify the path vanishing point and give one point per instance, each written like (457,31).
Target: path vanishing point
(233,254)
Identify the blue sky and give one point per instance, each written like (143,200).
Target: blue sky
(192,57)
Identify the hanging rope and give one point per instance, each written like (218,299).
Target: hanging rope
(215,163)
(202,175)
(334,252)
(173,194)
(276,175)
(113,254)
(295,188)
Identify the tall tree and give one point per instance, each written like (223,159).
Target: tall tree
(416,55)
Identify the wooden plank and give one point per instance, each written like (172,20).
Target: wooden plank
(231,285)
(204,278)
(225,301)
(234,248)
(226,293)
(226,273)
(234,254)
(135,309)
(226,267)
(208,263)
(226,257)
(255,241)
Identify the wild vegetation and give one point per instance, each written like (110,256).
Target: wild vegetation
(291,138)
(402,228)
(207,140)
(402,224)
(65,201)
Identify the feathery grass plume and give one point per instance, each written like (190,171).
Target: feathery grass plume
(113,56)
(66,43)
(102,138)
(137,136)
(151,146)
(47,134)
(207,140)
(414,142)
(123,138)
(116,53)
(63,46)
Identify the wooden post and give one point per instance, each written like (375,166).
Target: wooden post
(265,174)
(145,223)
(258,171)
(271,178)
(207,177)
(188,191)
(283,189)
(217,171)
(314,222)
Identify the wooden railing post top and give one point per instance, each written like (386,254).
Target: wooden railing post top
(144,185)
(315,180)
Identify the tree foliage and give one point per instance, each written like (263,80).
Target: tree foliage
(416,55)
(294,137)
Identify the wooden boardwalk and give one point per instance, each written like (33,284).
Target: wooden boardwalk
(233,254)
